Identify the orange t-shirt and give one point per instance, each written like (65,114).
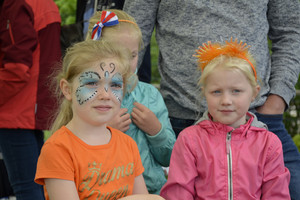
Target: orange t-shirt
(99,172)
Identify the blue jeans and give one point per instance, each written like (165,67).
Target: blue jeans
(179,124)
(20,149)
(290,152)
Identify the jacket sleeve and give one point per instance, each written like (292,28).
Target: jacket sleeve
(284,32)
(182,172)
(144,12)
(276,176)
(161,145)
(18,42)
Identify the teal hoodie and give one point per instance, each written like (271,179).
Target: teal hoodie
(155,150)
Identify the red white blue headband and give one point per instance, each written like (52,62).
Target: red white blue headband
(107,19)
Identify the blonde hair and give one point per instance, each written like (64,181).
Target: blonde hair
(79,57)
(230,63)
(125,21)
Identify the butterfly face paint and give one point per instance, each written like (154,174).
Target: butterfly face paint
(88,86)
(91,82)
(117,86)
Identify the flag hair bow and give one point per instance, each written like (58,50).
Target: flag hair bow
(107,19)
(207,52)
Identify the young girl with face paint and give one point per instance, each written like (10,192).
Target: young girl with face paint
(84,158)
(144,115)
(228,154)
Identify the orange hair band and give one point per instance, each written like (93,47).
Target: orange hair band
(124,20)
(207,52)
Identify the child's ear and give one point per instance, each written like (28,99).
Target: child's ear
(202,89)
(66,89)
(256,92)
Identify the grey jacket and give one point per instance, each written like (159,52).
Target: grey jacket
(183,25)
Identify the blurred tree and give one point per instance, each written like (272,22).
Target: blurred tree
(67,10)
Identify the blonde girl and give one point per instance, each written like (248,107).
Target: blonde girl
(228,154)
(84,158)
(144,115)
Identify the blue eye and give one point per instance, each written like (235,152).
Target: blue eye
(117,85)
(89,78)
(236,91)
(117,81)
(91,83)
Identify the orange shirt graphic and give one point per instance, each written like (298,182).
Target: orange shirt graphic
(99,172)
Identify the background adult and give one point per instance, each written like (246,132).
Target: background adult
(181,26)
(30,45)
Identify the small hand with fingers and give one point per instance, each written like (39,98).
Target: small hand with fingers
(145,119)
(121,121)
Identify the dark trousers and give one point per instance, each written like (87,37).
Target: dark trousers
(20,149)
(5,187)
(144,72)
(179,124)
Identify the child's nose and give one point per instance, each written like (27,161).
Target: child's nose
(103,93)
(226,99)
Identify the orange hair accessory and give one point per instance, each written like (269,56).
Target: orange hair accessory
(207,52)
(124,20)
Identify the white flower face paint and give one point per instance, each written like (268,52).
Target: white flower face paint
(90,82)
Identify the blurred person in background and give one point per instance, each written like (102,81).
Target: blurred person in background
(30,46)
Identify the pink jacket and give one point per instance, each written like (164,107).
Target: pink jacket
(214,161)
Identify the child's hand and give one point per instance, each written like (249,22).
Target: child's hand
(145,119)
(121,121)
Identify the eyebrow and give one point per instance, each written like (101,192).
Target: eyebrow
(89,73)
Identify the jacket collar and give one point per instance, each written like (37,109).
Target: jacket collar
(215,127)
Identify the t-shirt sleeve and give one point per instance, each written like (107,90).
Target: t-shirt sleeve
(139,169)
(54,162)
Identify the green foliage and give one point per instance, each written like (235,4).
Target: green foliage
(67,10)
(155,76)
(291,117)
(296,139)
